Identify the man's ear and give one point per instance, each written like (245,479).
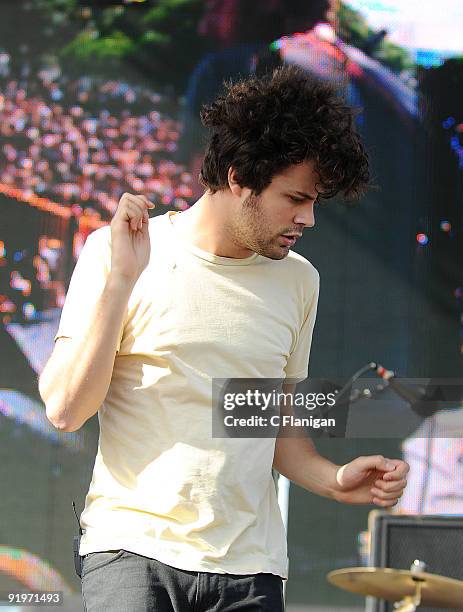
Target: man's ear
(235,188)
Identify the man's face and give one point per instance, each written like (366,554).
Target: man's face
(263,220)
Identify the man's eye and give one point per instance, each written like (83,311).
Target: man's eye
(300,200)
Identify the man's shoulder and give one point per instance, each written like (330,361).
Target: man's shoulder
(300,266)
(98,240)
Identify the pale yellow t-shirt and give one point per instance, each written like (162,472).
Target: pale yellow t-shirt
(162,486)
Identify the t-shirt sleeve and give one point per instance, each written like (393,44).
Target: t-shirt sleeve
(87,283)
(297,366)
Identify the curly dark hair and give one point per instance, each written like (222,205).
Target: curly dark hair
(261,125)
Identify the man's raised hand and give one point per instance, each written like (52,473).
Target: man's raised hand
(130,241)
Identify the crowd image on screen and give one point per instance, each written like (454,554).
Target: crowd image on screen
(88,140)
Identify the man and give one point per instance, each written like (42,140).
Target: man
(158,310)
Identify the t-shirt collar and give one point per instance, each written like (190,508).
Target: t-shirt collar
(205,255)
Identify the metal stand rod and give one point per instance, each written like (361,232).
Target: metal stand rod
(283,502)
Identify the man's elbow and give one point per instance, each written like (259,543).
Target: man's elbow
(60,423)
(57,411)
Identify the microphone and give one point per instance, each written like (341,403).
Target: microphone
(420,402)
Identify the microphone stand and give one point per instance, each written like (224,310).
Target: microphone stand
(352,396)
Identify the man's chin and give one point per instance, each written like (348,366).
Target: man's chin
(276,253)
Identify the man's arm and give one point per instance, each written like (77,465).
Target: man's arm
(365,480)
(76,378)
(297,458)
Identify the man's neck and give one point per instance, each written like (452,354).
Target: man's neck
(205,226)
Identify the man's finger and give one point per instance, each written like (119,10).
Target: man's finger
(385,503)
(401,469)
(139,200)
(375,462)
(135,214)
(394,485)
(384,495)
(142,199)
(149,202)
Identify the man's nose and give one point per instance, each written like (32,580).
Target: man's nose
(305,216)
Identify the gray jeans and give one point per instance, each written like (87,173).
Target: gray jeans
(122,581)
